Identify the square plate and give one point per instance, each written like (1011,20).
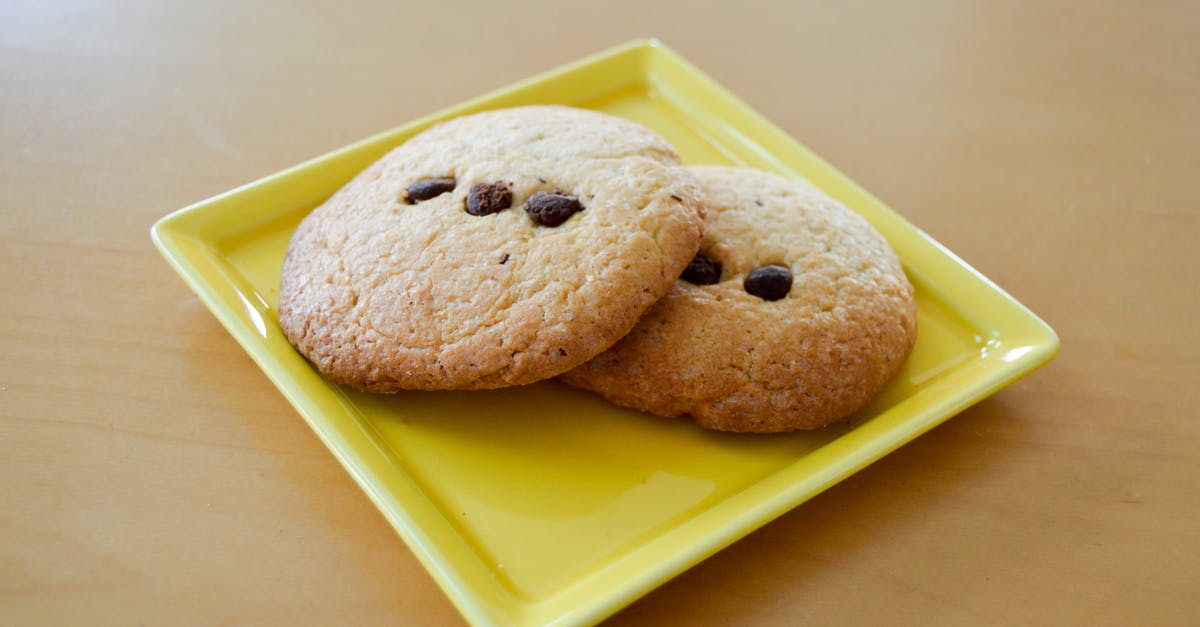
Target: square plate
(542,504)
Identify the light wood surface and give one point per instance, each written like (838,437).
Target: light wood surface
(152,475)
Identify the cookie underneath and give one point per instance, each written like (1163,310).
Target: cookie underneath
(492,250)
(794,315)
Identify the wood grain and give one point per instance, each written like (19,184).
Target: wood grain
(150,475)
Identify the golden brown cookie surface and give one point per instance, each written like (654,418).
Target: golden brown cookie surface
(494,249)
(794,315)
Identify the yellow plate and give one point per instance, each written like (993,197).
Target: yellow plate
(542,504)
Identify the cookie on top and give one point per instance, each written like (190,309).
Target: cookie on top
(491,250)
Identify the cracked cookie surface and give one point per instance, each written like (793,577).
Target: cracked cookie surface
(427,272)
(796,314)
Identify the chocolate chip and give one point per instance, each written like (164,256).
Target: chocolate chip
(488,198)
(677,198)
(551,209)
(702,271)
(562,352)
(769,282)
(504,259)
(541,180)
(428,188)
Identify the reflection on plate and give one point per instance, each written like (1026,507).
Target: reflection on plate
(543,504)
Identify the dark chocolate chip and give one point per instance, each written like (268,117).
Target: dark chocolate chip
(769,282)
(504,259)
(428,188)
(551,209)
(541,180)
(676,197)
(758,202)
(488,198)
(702,271)
(562,352)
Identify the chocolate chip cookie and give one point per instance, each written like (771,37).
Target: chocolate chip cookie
(793,315)
(491,250)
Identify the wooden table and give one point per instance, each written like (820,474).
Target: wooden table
(151,474)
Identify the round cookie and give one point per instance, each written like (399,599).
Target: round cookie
(491,250)
(793,315)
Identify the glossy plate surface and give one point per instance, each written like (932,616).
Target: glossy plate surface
(541,504)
